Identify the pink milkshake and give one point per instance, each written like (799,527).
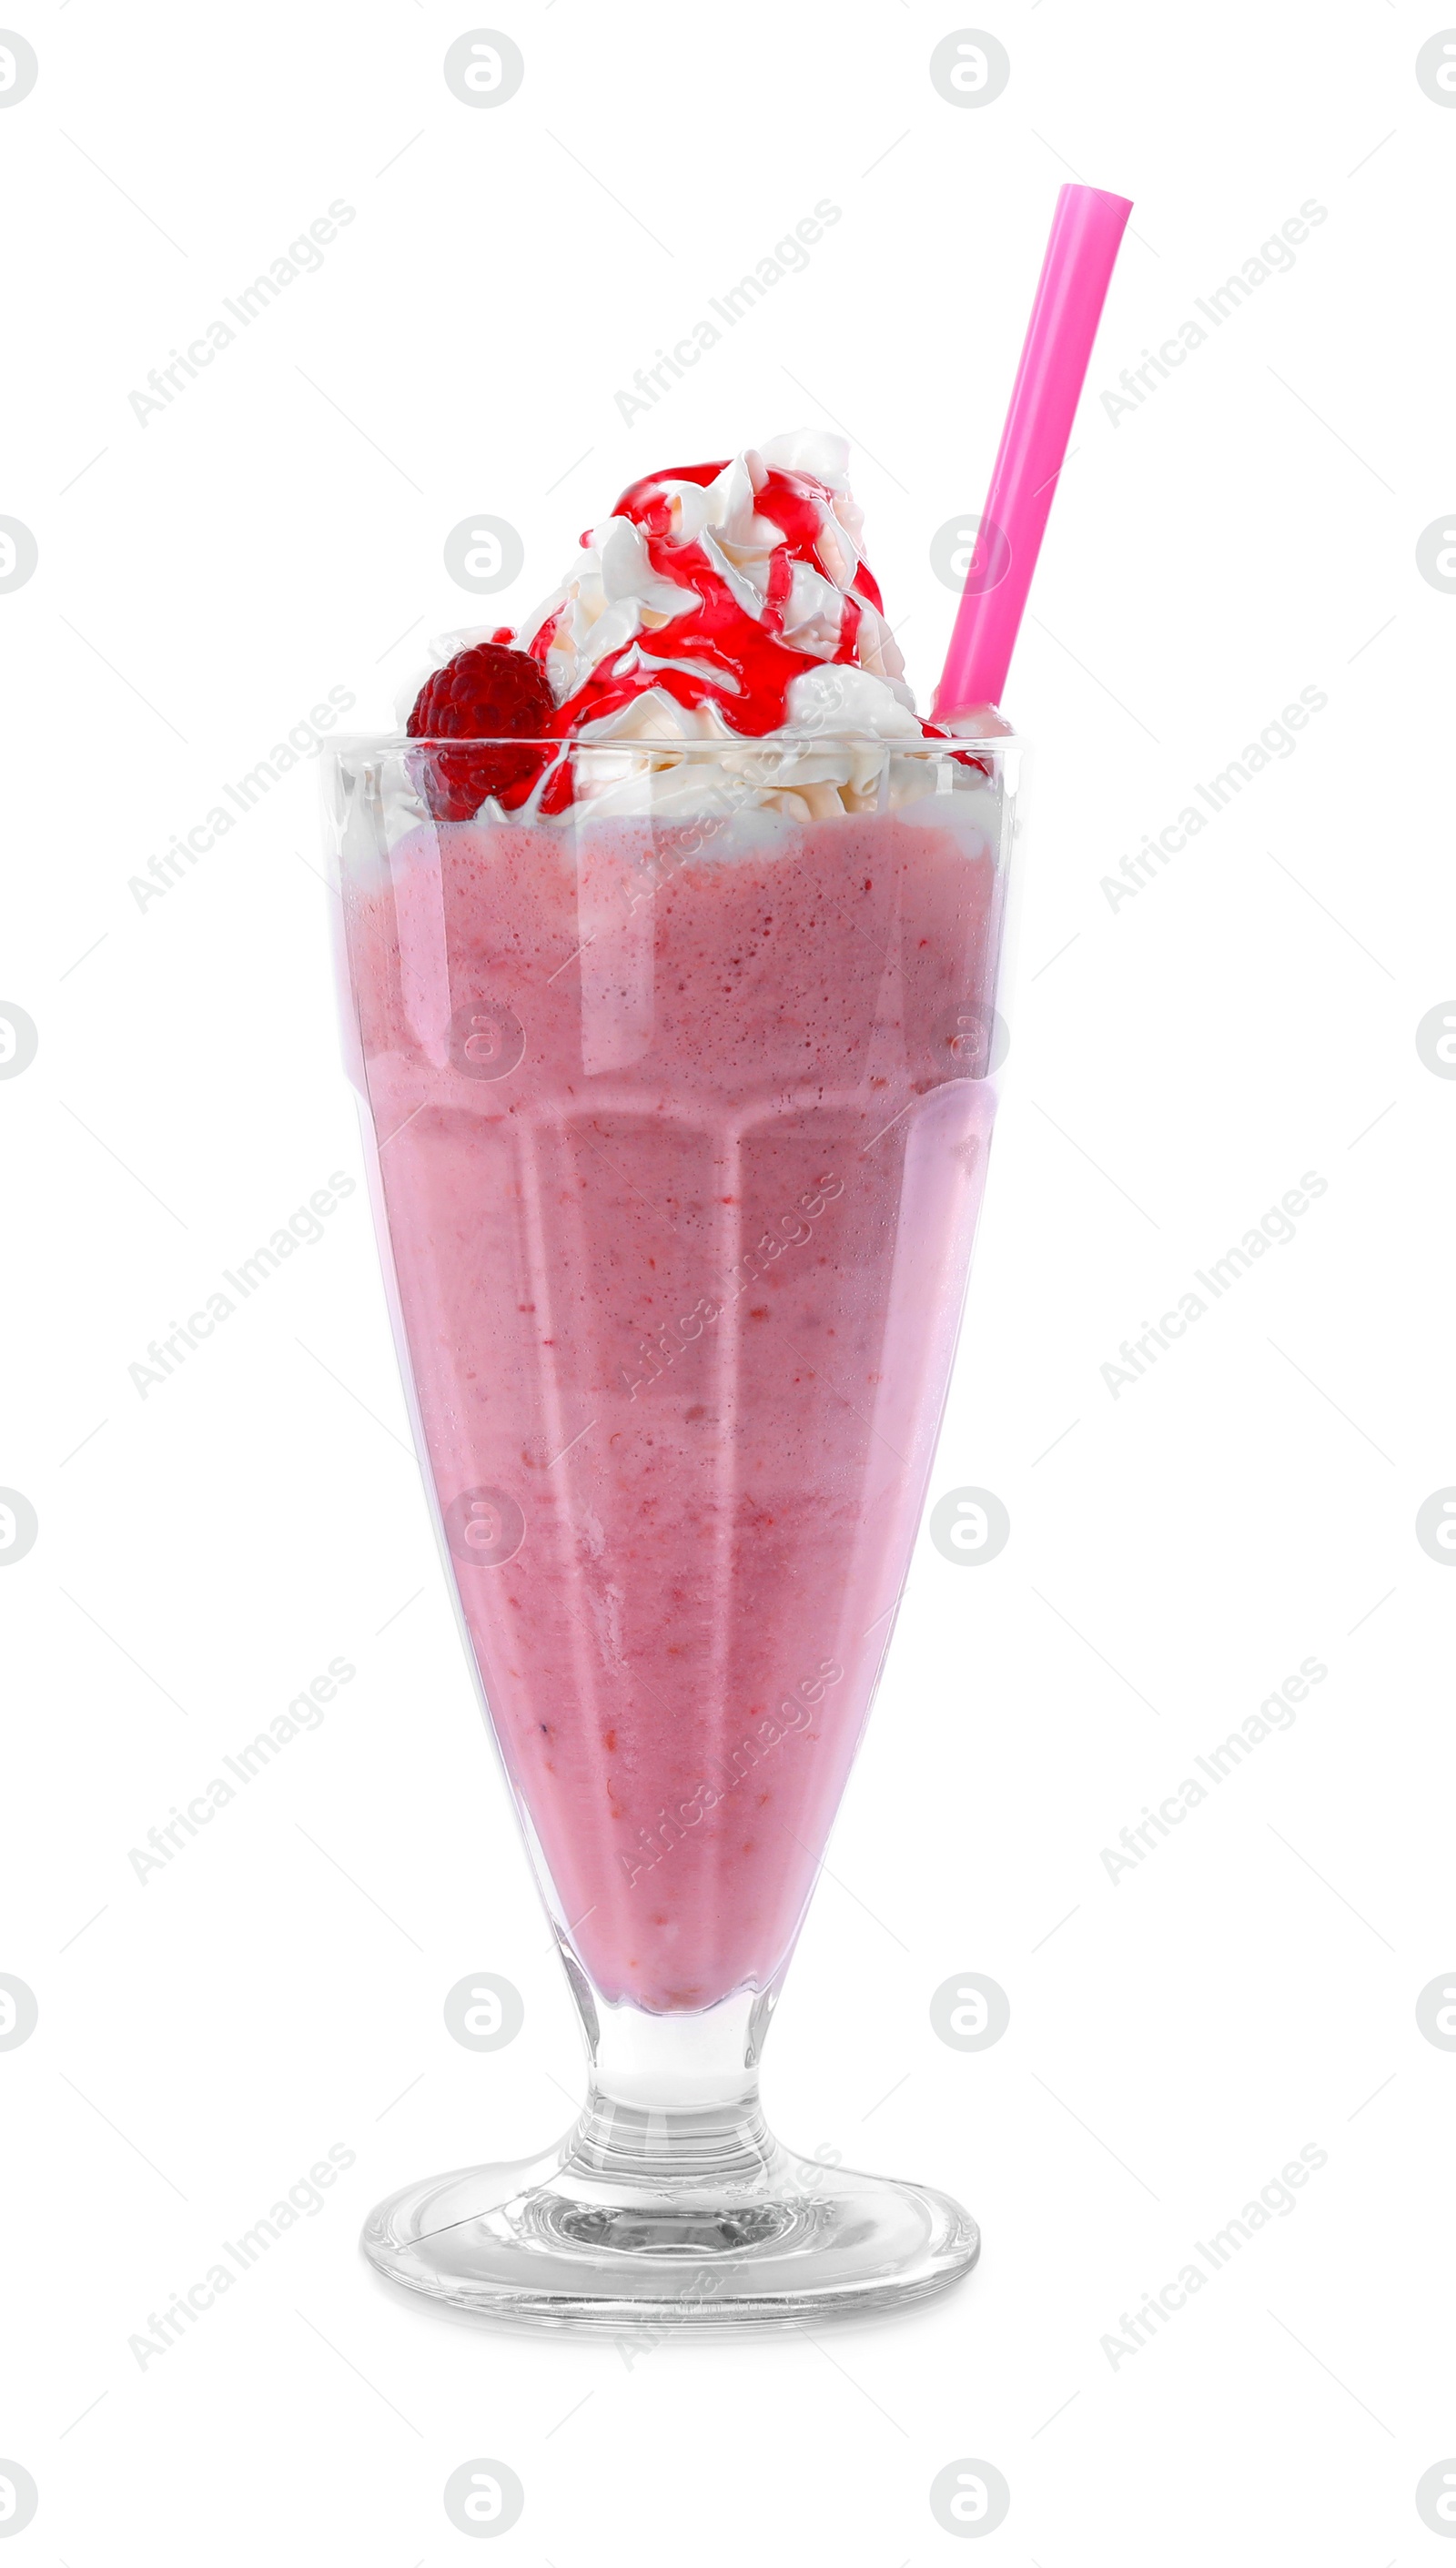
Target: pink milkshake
(670,947)
(680,1283)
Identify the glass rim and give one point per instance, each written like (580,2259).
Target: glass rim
(794,744)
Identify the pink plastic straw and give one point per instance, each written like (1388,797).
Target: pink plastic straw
(1086,231)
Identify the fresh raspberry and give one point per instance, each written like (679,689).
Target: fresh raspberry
(490,694)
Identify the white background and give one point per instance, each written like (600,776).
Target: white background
(1177,1063)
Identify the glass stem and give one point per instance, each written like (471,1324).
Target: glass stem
(676,2092)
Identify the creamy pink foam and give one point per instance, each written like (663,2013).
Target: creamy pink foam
(682,1157)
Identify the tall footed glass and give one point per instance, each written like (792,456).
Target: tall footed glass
(678,1105)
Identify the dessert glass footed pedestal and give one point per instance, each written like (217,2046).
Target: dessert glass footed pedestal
(677,1087)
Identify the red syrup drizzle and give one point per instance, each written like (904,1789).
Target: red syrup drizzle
(753,662)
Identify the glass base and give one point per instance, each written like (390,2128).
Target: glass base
(626,2227)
